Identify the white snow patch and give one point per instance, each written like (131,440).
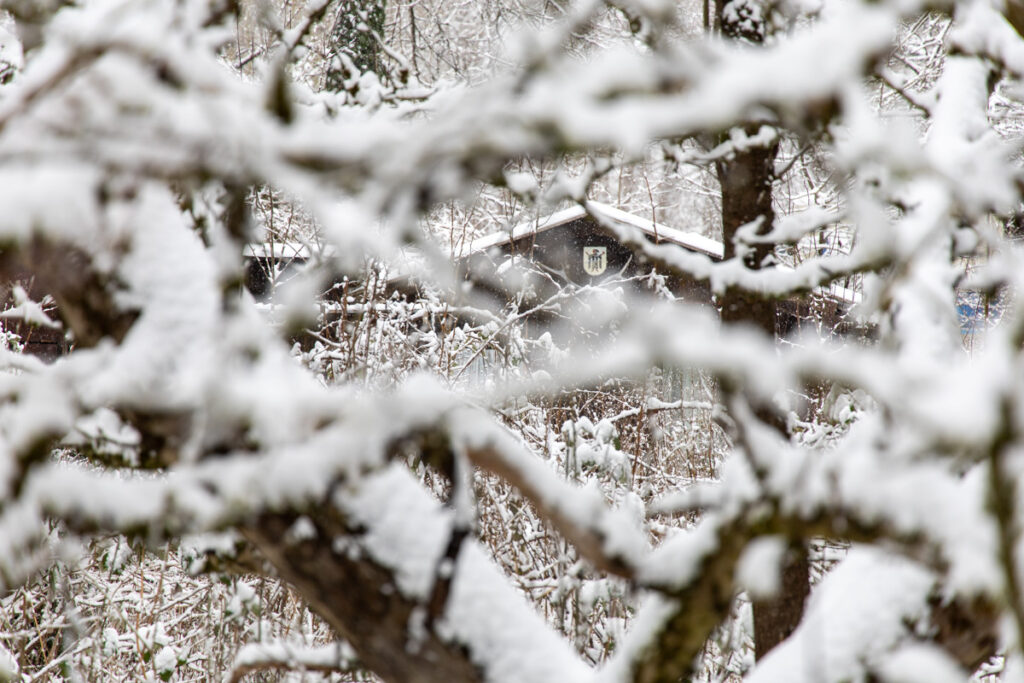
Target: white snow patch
(759,566)
(854,619)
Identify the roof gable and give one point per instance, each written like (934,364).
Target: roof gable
(657,233)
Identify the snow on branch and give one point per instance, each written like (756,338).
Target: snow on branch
(255,657)
(129,152)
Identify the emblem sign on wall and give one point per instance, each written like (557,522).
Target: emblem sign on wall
(595,260)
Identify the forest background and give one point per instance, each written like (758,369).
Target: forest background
(419,488)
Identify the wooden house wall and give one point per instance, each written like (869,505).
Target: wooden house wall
(560,251)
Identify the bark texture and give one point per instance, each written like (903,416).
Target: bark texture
(360,600)
(776,618)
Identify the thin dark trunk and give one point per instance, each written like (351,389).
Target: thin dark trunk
(776,618)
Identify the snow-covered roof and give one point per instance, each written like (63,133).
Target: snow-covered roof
(410,259)
(659,233)
(278,250)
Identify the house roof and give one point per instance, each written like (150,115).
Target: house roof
(658,233)
(278,250)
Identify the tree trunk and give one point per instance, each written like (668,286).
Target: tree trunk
(746,179)
(776,618)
